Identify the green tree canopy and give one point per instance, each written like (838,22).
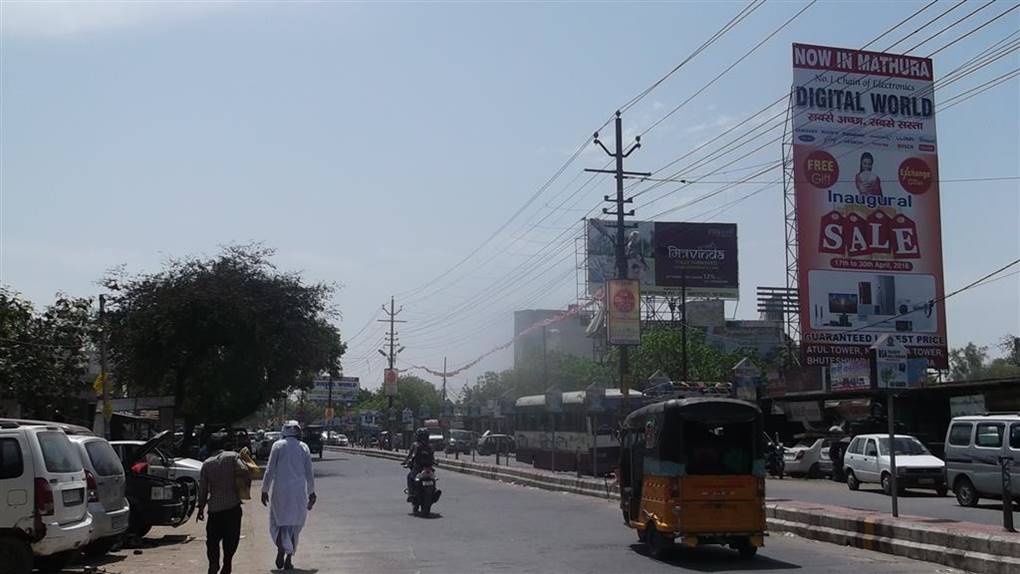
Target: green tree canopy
(44,357)
(972,362)
(223,335)
(412,392)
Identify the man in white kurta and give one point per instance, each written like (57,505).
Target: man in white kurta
(289,486)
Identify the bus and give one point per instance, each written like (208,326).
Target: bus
(579,436)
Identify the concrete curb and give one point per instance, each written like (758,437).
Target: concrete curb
(975,548)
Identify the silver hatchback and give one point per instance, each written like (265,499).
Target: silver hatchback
(106,492)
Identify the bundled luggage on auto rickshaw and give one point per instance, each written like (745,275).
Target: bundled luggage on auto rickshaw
(693,472)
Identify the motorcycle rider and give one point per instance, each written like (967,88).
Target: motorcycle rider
(419,457)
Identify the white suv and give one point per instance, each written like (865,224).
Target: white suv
(44,515)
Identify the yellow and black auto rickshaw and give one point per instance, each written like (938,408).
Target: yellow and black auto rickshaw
(692,472)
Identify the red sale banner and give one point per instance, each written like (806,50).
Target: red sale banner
(867,200)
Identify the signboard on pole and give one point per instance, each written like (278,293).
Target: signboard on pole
(890,360)
(746,378)
(390,382)
(345,390)
(663,256)
(867,202)
(623,302)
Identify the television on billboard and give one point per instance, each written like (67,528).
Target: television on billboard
(667,257)
(867,203)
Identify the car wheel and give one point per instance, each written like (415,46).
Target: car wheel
(886,483)
(55,562)
(100,547)
(966,494)
(851,481)
(17,554)
(815,471)
(138,528)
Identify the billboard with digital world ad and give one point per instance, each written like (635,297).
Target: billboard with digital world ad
(867,204)
(666,257)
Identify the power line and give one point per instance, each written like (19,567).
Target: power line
(947,27)
(933,302)
(730,67)
(744,13)
(744,181)
(901,22)
(975,30)
(930,22)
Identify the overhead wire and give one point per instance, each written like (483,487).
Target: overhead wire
(730,67)
(948,26)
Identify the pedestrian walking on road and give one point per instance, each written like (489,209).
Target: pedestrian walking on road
(221,479)
(289,478)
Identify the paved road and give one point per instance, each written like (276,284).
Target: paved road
(363,525)
(870,497)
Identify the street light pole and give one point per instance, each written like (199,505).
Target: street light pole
(107,411)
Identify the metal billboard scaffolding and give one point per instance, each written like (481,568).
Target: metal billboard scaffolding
(791,315)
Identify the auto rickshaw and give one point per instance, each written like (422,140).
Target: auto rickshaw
(692,472)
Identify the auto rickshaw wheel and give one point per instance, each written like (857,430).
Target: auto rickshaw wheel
(658,543)
(746,549)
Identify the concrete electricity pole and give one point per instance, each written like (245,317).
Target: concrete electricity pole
(391,356)
(621,256)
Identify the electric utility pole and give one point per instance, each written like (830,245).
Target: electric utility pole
(621,256)
(391,358)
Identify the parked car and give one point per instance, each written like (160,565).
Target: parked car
(462,441)
(492,443)
(155,499)
(342,440)
(44,518)
(107,492)
(159,459)
(808,457)
(312,436)
(974,447)
(266,444)
(867,461)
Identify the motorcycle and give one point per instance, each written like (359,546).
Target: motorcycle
(774,463)
(424,494)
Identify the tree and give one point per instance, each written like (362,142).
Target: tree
(967,363)
(44,357)
(223,335)
(661,349)
(971,362)
(412,392)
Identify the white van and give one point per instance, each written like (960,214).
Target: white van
(975,447)
(44,518)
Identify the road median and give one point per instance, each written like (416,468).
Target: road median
(978,548)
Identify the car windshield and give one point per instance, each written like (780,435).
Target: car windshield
(904,446)
(58,453)
(460,435)
(805,443)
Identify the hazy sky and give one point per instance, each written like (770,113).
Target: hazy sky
(378,145)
